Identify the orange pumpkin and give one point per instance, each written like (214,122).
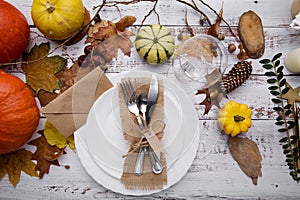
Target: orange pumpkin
(19,114)
(14,32)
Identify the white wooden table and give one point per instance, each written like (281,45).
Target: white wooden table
(214,174)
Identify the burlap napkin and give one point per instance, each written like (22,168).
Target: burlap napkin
(132,133)
(69,110)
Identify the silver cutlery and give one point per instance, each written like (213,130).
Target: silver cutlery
(151,101)
(131,100)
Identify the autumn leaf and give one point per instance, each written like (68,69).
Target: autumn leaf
(68,75)
(246,153)
(102,30)
(13,163)
(55,138)
(107,38)
(41,73)
(118,41)
(46,97)
(45,155)
(213,94)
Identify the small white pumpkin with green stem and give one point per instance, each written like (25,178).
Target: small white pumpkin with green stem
(155,44)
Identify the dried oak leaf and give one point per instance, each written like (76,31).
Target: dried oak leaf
(213,94)
(246,153)
(41,73)
(13,163)
(55,138)
(45,155)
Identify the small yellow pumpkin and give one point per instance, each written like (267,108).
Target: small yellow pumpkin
(234,118)
(58,19)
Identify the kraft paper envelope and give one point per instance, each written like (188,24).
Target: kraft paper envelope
(69,110)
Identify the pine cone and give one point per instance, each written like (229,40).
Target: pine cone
(239,73)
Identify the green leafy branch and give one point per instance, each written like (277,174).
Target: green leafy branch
(287,118)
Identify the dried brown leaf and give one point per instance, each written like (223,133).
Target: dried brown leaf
(68,76)
(46,97)
(45,155)
(246,153)
(214,29)
(13,163)
(106,39)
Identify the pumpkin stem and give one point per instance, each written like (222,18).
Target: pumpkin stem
(50,7)
(238,118)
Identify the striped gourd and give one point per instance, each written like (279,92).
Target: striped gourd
(155,44)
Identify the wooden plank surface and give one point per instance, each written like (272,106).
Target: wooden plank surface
(214,174)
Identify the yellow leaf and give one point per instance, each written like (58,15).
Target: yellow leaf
(55,138)
(13,163)
(71,142)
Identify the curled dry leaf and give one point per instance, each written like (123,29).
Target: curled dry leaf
(214,29)
(125,22)
(246,153)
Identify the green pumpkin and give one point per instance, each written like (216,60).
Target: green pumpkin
(155,44)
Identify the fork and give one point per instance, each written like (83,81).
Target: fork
(131,99)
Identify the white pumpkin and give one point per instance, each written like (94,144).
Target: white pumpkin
(155,44)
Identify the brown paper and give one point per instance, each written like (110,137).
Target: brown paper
(69,110)
(132,133)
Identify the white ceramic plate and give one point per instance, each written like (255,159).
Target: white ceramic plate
(175,173)
(105,168)
(103,136)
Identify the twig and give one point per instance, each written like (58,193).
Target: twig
(195,7)
(188,26)
(149,13)
(115,3)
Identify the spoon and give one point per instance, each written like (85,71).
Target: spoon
(142,103)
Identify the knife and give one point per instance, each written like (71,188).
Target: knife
(152,97)
(151,101)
